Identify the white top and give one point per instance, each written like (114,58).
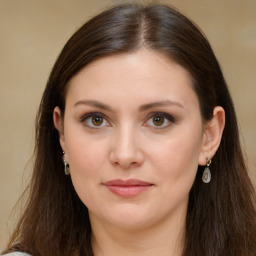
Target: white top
(16,254)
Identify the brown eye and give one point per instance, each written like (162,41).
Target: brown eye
(158,120)
(97,120)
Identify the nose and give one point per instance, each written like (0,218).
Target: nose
(125,151)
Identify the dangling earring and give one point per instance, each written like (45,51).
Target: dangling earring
(206,178)
(66,165)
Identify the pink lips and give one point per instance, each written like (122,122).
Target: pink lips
(127,188)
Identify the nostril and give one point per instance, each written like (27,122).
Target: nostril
(126,161)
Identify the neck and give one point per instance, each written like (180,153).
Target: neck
(154,240)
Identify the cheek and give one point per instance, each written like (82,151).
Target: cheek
(84,153)
(176,158)
(86,158)
(178,165)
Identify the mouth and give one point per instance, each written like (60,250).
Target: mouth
(127,188)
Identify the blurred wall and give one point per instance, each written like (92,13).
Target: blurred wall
(32,35)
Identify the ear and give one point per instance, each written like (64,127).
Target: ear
(212,135)
(59,125)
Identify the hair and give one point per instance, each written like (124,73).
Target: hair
(221,217)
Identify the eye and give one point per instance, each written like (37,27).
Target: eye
(94,120)
(159,120)
(97,120)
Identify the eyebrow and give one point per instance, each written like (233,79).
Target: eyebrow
(94,103)
(97,104)
(164,103)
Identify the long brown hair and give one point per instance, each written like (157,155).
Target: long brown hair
(221,218)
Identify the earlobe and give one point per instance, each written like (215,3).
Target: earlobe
(58,123)
(212,135)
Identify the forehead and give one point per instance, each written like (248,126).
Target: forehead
(144,75)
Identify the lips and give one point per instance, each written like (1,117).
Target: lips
(127,188)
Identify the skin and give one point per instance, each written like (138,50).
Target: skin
(133,139)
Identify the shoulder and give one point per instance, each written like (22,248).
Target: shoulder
(17,254)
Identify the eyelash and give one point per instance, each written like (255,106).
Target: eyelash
(166,118)
(85,119)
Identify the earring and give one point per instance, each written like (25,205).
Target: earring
(66,165)
(206,178)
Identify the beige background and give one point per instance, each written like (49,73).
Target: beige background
(34,31)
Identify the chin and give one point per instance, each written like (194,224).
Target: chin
(130,219)
(131,224)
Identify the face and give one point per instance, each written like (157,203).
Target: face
(133,135)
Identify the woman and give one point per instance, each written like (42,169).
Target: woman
(138,116)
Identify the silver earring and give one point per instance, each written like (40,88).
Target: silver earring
(206,178)
(66,165)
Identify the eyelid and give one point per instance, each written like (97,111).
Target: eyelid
(164,114)
(169,117)
(93,114)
